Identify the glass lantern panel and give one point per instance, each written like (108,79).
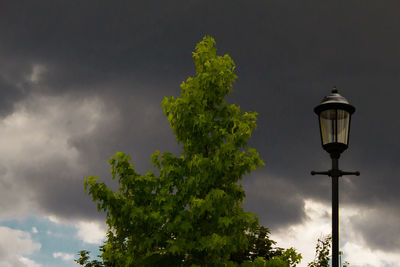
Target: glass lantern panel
(334,126)
(343,121)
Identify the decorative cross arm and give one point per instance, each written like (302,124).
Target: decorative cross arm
(336,173)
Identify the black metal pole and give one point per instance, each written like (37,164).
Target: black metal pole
(335,211)
(335,173)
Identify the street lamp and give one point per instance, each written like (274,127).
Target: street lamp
(334,114)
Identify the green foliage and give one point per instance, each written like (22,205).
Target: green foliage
(322,253)
(260,246)
(344,264)
(291,257)
(189,212)
(84,260)
(284,258)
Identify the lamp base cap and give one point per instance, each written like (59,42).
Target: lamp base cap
(335,149)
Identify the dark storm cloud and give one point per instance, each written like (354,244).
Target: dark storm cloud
(265,198)
(8,94)
(288,55)
(93,41)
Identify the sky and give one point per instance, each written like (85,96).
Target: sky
(81,80)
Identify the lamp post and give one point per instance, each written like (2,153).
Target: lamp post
(334,114)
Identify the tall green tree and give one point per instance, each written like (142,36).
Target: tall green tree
(188,211)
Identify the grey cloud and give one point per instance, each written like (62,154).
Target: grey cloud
(40,167)
(377,227)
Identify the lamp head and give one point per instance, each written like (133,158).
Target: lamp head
(334,113)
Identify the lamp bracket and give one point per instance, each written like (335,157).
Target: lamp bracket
(336,173)
(356,173)
(320,173)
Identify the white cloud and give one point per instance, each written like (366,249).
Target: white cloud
(304,237)
(91,232)
(53,219)
(360,256)
(29,263)
(63,256)
(41,126)
(34,230)
(14,246)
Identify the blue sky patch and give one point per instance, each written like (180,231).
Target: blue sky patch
(58,241)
